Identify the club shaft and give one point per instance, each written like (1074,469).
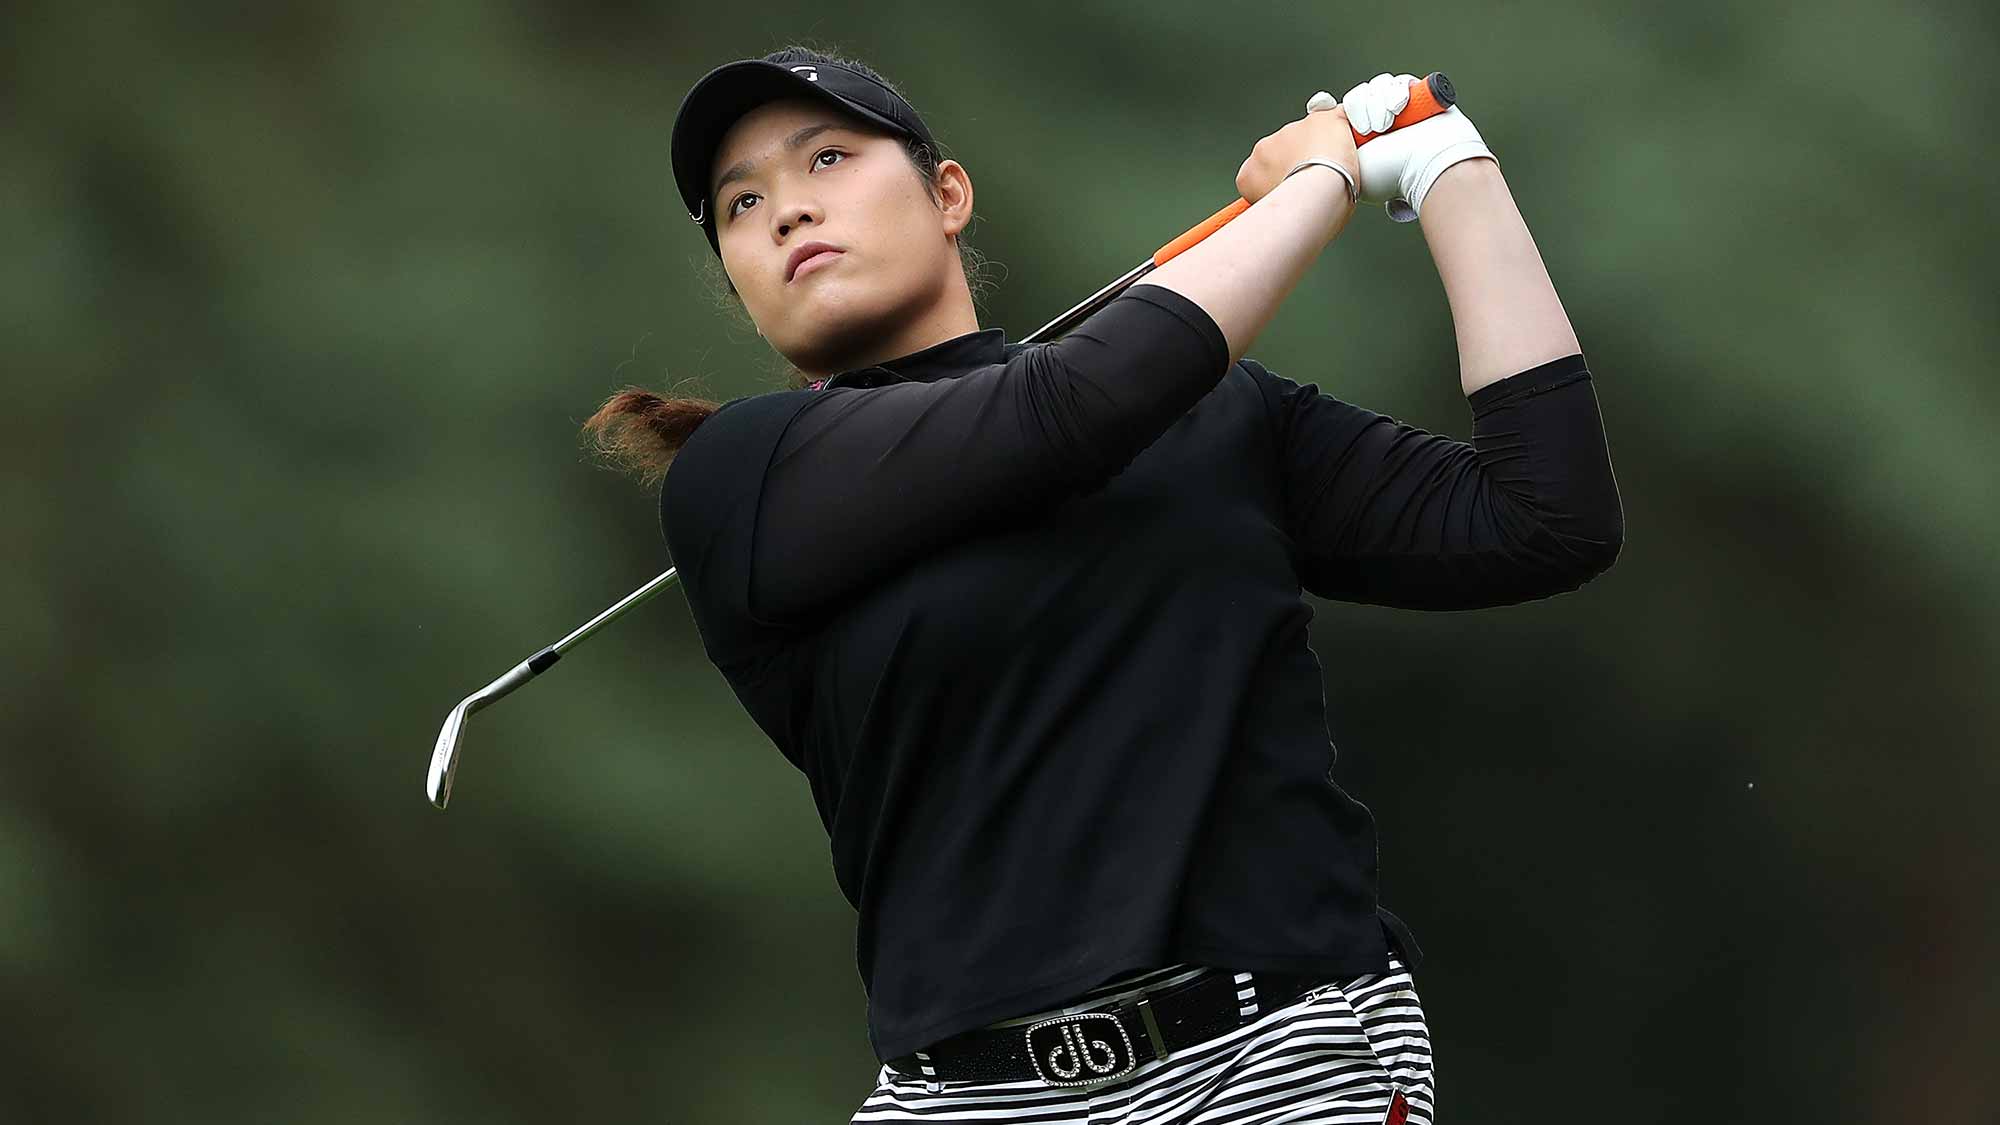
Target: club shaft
(1082,310)
(635,598)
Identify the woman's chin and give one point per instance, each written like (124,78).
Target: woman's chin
(836,325)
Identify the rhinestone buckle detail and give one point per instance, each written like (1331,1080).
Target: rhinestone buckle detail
(1081,1049)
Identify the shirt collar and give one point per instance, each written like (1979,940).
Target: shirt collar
(942,360)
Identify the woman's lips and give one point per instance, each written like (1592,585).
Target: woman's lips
(815,262)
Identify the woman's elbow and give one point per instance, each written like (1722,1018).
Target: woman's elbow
(1590,552)
(1556,557)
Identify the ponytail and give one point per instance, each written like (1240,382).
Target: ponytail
(639,432)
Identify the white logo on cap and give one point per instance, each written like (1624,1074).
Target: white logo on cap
(811,72)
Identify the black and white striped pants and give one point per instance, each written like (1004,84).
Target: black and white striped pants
(1341,1053)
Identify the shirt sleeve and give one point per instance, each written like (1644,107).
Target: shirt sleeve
(708,509)
(1388,514)
(856,483)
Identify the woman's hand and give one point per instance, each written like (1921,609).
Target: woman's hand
(1398,166)
(1325,134)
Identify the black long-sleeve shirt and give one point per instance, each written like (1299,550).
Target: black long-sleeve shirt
(1029,619)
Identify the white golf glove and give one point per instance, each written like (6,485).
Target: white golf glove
(1398,168)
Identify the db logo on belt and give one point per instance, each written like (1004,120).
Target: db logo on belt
(1081,1049)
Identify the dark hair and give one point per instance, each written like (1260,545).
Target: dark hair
(639,432)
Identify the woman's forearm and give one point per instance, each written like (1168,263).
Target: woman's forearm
(1241,274)
(1503,305)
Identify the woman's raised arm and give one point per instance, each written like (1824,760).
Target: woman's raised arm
(1504,308)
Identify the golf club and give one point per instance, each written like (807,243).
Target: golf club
(1430,95)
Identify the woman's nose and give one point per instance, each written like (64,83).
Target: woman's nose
(793,215)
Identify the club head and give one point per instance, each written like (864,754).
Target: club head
(444,758)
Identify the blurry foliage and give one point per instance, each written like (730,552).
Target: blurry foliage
(303,303)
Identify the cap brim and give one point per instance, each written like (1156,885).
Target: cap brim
(722,97)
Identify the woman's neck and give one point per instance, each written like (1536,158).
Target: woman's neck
(950,317)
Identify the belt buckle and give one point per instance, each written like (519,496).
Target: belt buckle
(1064,1052)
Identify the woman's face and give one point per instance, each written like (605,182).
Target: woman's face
(795,172)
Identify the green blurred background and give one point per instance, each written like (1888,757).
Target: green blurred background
(303,304)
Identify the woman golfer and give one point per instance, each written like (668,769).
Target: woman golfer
(1029,617)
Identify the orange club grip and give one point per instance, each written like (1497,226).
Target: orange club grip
(1200,231)
(1429,96)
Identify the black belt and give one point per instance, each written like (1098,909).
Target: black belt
(1087,1047)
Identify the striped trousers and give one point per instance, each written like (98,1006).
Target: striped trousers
(1352,1051)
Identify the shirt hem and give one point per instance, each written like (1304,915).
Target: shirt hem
(1526,384)
(1186,311)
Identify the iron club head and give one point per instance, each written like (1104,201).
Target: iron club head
(444,757)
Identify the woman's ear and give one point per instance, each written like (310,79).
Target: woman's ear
(954,188)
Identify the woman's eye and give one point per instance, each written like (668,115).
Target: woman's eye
(818,158)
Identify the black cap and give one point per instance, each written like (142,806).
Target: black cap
(734,89)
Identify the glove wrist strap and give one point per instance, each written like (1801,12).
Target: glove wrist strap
(1443,159)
